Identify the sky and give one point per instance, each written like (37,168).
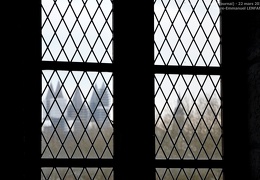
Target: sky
(84,32)
(76,23)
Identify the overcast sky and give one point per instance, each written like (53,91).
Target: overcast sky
(85,37)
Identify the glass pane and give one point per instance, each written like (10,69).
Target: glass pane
(188,174)
(187,32)
(77,173)
(188,117)
(77,114)
(77,30)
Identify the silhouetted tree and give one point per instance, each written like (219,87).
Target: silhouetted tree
(194,132)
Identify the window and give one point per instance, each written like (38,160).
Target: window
(77,92)
(188,100)
(149,87)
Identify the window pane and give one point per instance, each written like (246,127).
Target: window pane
(188,117)
(187,32)
(77,30)
(77,118)
(188,174)
(77,173)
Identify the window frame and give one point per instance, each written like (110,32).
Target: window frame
(141,27)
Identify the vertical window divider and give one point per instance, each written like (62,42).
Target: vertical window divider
(134,89)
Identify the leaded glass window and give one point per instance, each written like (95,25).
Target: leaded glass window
(188,99)
(77,102)
(98,71)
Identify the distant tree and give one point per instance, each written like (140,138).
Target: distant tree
(93,142)
(193,132)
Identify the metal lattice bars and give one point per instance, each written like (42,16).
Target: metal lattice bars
(204,121)
(71,116)
(166,33)
(66,37)
(184,74)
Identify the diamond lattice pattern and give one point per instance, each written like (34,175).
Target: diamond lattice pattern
(188,117)
(187,32)
(77,30)
(188,174)
(77,119)
(77,173)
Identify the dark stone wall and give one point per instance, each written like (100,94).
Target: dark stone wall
(254,97)
(254,119)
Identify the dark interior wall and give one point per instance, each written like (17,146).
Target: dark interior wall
(253,59)
(241,92)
